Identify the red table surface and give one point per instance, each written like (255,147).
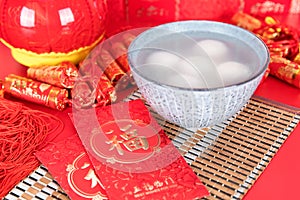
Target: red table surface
(280,180)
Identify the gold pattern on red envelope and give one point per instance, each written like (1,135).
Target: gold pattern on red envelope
(83,180)
(70,166)
(125,141)
(132,156)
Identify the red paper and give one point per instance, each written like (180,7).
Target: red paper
(152,12)
(219,10)
(148,13)
(116,14)
(267,7)
(145,12)
(70,166)
(132,155)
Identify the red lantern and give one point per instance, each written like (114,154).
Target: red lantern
(47,32)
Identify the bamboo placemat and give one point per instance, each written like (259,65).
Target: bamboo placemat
(38,185)
(228,157)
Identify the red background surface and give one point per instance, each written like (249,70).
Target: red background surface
(280,180)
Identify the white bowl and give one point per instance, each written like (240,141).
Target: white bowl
(195,107)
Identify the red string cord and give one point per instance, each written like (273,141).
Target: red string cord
(22,132)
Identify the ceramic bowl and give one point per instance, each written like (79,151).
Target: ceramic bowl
(196,107)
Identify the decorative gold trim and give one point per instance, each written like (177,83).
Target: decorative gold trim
(113,159)
(71,168)
(32,59)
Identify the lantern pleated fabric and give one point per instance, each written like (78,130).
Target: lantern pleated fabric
(40,32)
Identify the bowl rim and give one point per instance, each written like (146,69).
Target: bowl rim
(163,26)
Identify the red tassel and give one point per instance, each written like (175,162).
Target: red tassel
(22,132)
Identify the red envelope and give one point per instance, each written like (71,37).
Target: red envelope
(132,155)
(70,166)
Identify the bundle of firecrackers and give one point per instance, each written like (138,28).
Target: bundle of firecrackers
(283,44)
(57,86)
(106,71)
